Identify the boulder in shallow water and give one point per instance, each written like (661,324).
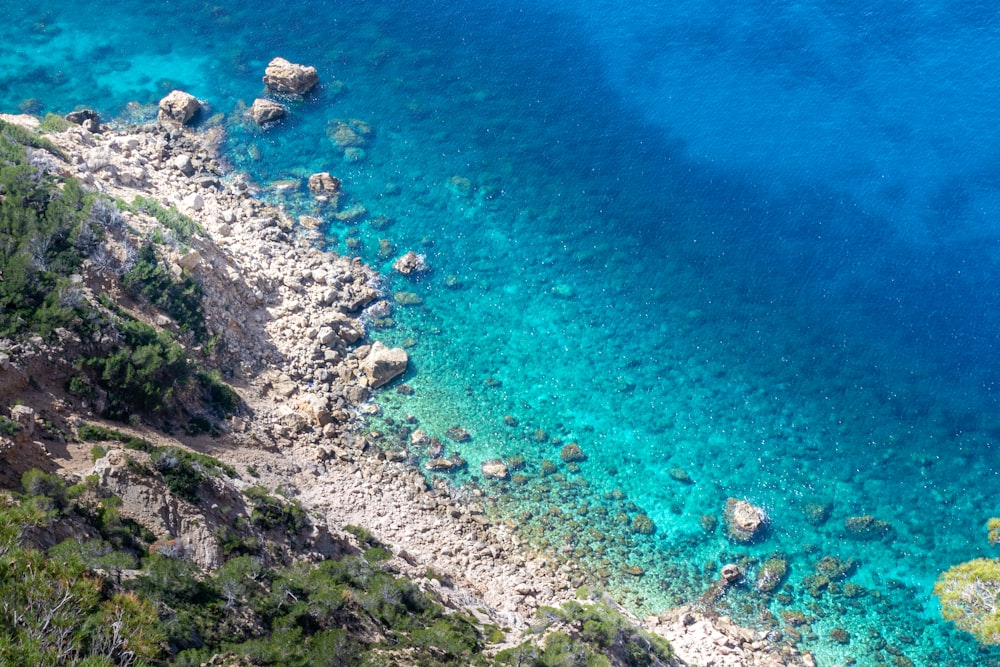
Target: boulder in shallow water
(325,188)
(745,523)
(494,469)
(382,364)
(282,76)
(264,111)
(178,107)
(410,264)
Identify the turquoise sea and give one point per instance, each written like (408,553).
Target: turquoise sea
(755,244)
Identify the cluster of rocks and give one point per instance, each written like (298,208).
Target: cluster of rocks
(292,318)
(702,639)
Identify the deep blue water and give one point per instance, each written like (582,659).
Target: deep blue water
(757,243)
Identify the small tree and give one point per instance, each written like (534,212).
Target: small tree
(969,595)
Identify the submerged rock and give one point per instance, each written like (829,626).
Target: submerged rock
(867,527)
(772,573)
(458,434)
(178,107)
(643,525)
(266,111)
(440,465)
(745,523)
(571,453)
(282,76)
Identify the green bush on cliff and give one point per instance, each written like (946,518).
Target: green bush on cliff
(44,230)
(970,597)
(178,298)
(184,228)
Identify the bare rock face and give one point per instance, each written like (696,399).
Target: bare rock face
(282,76)
(178,107)
(382,364)
(745,523)
(266,111)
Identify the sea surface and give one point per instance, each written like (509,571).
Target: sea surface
(732,250)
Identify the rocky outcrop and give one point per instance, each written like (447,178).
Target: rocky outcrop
(282,76)
(325,188)
(701,639)
(745,523)
(87,118)
(383,364)
(410,264)
(178,107)
(264,111)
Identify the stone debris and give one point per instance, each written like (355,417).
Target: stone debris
(291,318)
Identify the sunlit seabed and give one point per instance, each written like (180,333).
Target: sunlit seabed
(625,279)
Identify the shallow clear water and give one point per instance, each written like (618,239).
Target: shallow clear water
(756,244)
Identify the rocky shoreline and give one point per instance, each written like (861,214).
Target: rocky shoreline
(292,320)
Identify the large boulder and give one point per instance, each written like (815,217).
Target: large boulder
(178,107)
(325,188)
(410,264)
(494,469)
(382,364)
(282,76)
(745,523)
(264,111)
(88,118)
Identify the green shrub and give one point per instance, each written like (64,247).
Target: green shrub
(970,598)
(219,395)
(8,427)
(270,512)
(52,123)
(183,227)
(141,371)
(178,298)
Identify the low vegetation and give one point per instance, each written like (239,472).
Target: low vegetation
(49,227)
(969,594)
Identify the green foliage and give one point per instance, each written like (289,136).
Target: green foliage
(993,531)
(141,371)
(184,471)
(178,298)
(270,512)
(223,399)
(364,537)
(45,231)
(98,433)
(55,609)
(21,136)
(183,227)
(45,486)
(52,123)
(8,427)
(970,594)
(588,635)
